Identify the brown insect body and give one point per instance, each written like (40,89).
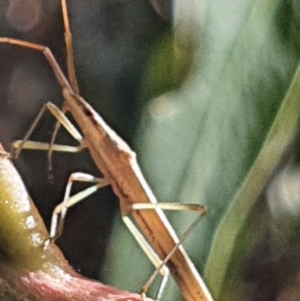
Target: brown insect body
(118,164)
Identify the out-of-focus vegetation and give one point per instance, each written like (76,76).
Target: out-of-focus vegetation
(197,104)
(197,144)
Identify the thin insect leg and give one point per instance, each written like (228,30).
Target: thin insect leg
(151,254)
(59,115)
(69,48)
(18,148)
(50,150)
(54,134)
(60,210)
(163,263)
(48,55)
(157,262)
(43,146)
(168,206)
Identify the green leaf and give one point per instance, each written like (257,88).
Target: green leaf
(234,238)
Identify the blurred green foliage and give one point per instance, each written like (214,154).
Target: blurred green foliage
(198,142)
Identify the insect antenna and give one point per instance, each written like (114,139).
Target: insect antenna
(71,76)
(69,48)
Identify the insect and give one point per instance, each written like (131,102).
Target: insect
(118,164)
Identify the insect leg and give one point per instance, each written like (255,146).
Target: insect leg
(33,145)
(60,210)
(159,264)
(152,256)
